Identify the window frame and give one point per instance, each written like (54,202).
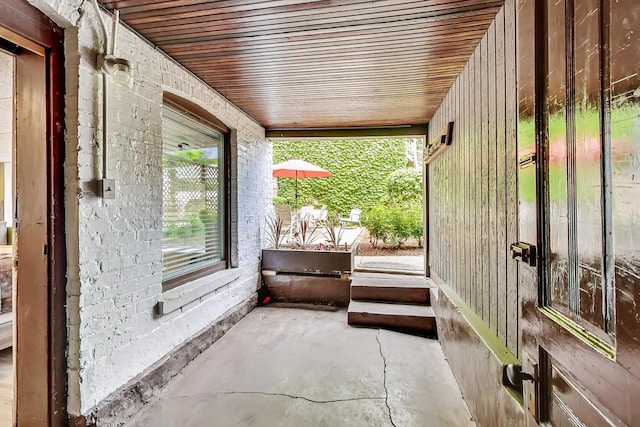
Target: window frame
(201,115)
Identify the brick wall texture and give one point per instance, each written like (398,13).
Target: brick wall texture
(114,246)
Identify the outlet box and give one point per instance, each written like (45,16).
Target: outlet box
(108,188)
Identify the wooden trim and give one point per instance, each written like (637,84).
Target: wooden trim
(606,201)
(28,23)
(425,209)
(194,110)
(355,132)
(21,41)
(31,302)
(227,200)
(541,136)
(29,29)
(57,237)
(481,378)
(188,277)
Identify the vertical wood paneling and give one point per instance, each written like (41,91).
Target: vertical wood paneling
(479,289)
(430,211)
(448,238)
(513,300)
(474,183)
(473,244)
(452,206)
(492,188)
(484,171)
(502,168)
(458,190)
(467,182)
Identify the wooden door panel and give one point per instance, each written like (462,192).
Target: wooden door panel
(625,171)
(31,237)
(579,111)
(568,399)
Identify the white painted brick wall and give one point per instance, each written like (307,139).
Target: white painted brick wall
(6,136)
(6,106)
(114,246)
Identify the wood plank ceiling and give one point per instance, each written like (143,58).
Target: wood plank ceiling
(319,63)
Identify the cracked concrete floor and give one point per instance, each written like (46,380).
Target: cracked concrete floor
(294,367)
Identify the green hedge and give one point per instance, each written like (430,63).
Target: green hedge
(398,216)
(360,169)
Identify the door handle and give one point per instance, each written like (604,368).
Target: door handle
(524,252)
(516,377)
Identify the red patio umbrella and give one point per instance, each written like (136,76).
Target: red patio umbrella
(296,168)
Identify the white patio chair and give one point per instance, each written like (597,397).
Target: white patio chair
(322,217)
(353,218)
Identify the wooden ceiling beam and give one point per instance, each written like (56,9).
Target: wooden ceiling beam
(349,132)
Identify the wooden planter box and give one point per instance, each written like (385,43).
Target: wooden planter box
(308,276)
(296,288)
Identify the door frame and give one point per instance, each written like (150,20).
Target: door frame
(25,27)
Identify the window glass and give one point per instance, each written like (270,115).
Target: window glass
(193,190)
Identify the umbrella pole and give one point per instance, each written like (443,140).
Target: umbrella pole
(296,191)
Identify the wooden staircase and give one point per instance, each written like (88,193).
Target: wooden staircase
(392,301)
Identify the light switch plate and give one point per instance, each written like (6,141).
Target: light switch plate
(108,188)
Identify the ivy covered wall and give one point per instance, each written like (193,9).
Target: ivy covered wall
(359,167)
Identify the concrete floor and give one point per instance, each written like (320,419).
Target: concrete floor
(295,367)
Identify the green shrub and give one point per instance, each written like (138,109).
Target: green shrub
(376,220)
(277,200)
(398,216)
(405,185)
(394,224)
(413,213)
(184,229)
(400,225)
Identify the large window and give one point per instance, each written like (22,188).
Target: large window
(194,209)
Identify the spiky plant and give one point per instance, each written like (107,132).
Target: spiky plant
(333,233)
(306,234)
(276,231)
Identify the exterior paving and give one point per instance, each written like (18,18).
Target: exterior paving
(300,367)
(391,263)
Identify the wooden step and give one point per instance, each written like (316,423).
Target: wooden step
(390,288)
(415,318)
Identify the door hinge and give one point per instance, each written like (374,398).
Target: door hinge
(524,252)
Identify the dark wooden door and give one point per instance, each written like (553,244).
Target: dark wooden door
(579,112)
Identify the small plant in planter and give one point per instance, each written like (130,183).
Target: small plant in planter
(306,234)
(333,233)
(307,272)
(276,231)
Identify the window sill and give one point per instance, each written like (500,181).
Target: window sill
(176,298)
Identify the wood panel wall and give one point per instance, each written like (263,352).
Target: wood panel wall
(472,194)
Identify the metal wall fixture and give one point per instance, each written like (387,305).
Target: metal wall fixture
(439,144)
(119,69)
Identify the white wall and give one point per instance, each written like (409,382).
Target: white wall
(114,246)
(6,134)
